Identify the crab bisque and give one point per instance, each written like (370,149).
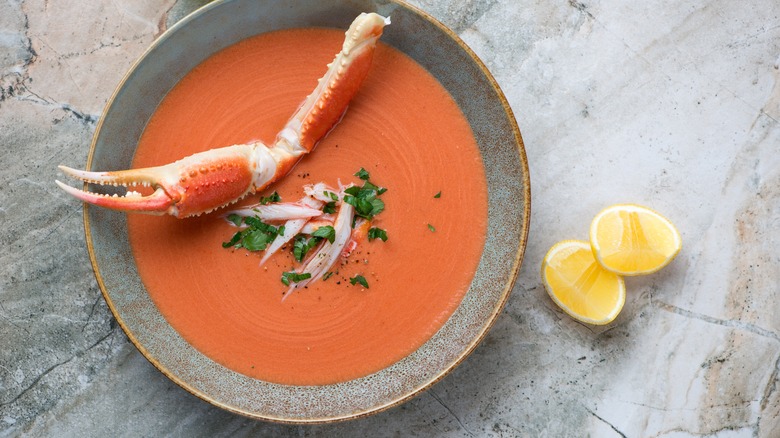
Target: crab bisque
(403,128)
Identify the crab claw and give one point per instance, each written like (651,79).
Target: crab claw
(209,180)
(191,186)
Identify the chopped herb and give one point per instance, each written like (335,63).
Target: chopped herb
(280,230)
(364,198)
(430,227)
(256,240)
(327,275)
(329,208)
(354,190)
(254,222)
(359,279)
(269,199)
(437,196)
(294,277)
(302,246)
(377,206)
(377,233)
(366,204)
(326,232)
(256,237)
(331,195)
(235,219)
(234,240)
(368,185)
(362,174)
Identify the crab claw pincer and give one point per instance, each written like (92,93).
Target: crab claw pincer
(208,180)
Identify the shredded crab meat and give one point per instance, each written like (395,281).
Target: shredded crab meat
(315,224)
(321,191)
(305,217)
(282,211)
(329,253)
(291,228)
(358,231)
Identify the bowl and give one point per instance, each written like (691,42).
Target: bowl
(454,65)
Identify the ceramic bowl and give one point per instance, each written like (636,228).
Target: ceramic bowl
(447,58)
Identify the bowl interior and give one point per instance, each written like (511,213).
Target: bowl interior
(222,24)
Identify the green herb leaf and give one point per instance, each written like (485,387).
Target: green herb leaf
(256,240)
(273,198)
(438,195)
(364,198)
(362,174)
(294,277)
(280,230)
(235,219)
(331,195)
(359,279)
(256,237)
(430,227)
(302,246)
(233,241)
(254,222)
(329,208)
(326,232)
(377,206)
(377,233)
(368,185)
(327,275)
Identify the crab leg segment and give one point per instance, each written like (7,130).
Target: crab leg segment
(324,107)
(209,180)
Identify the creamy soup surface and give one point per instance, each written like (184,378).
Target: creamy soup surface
(402,127)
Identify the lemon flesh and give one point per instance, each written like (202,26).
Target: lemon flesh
(633,240)
(579,285)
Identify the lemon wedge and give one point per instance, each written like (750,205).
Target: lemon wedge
(632,240)
(579,285)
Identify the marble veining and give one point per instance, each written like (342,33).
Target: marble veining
(670,104)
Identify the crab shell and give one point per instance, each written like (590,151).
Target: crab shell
(215,178)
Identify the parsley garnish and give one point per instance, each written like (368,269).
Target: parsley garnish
(235,219)
(365,200)
(362,174)
(331,195)
(430,227)
(359,279)
(233,240)
(329,208)
(256,237)
(269,199)
(377,233)
(327,275)
(326,232)
(294,277)
(437,196)
(302,246)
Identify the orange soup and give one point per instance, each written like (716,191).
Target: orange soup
(404,128)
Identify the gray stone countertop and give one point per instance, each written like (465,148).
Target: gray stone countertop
(671,104)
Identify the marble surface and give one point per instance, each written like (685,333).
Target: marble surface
(672,104)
